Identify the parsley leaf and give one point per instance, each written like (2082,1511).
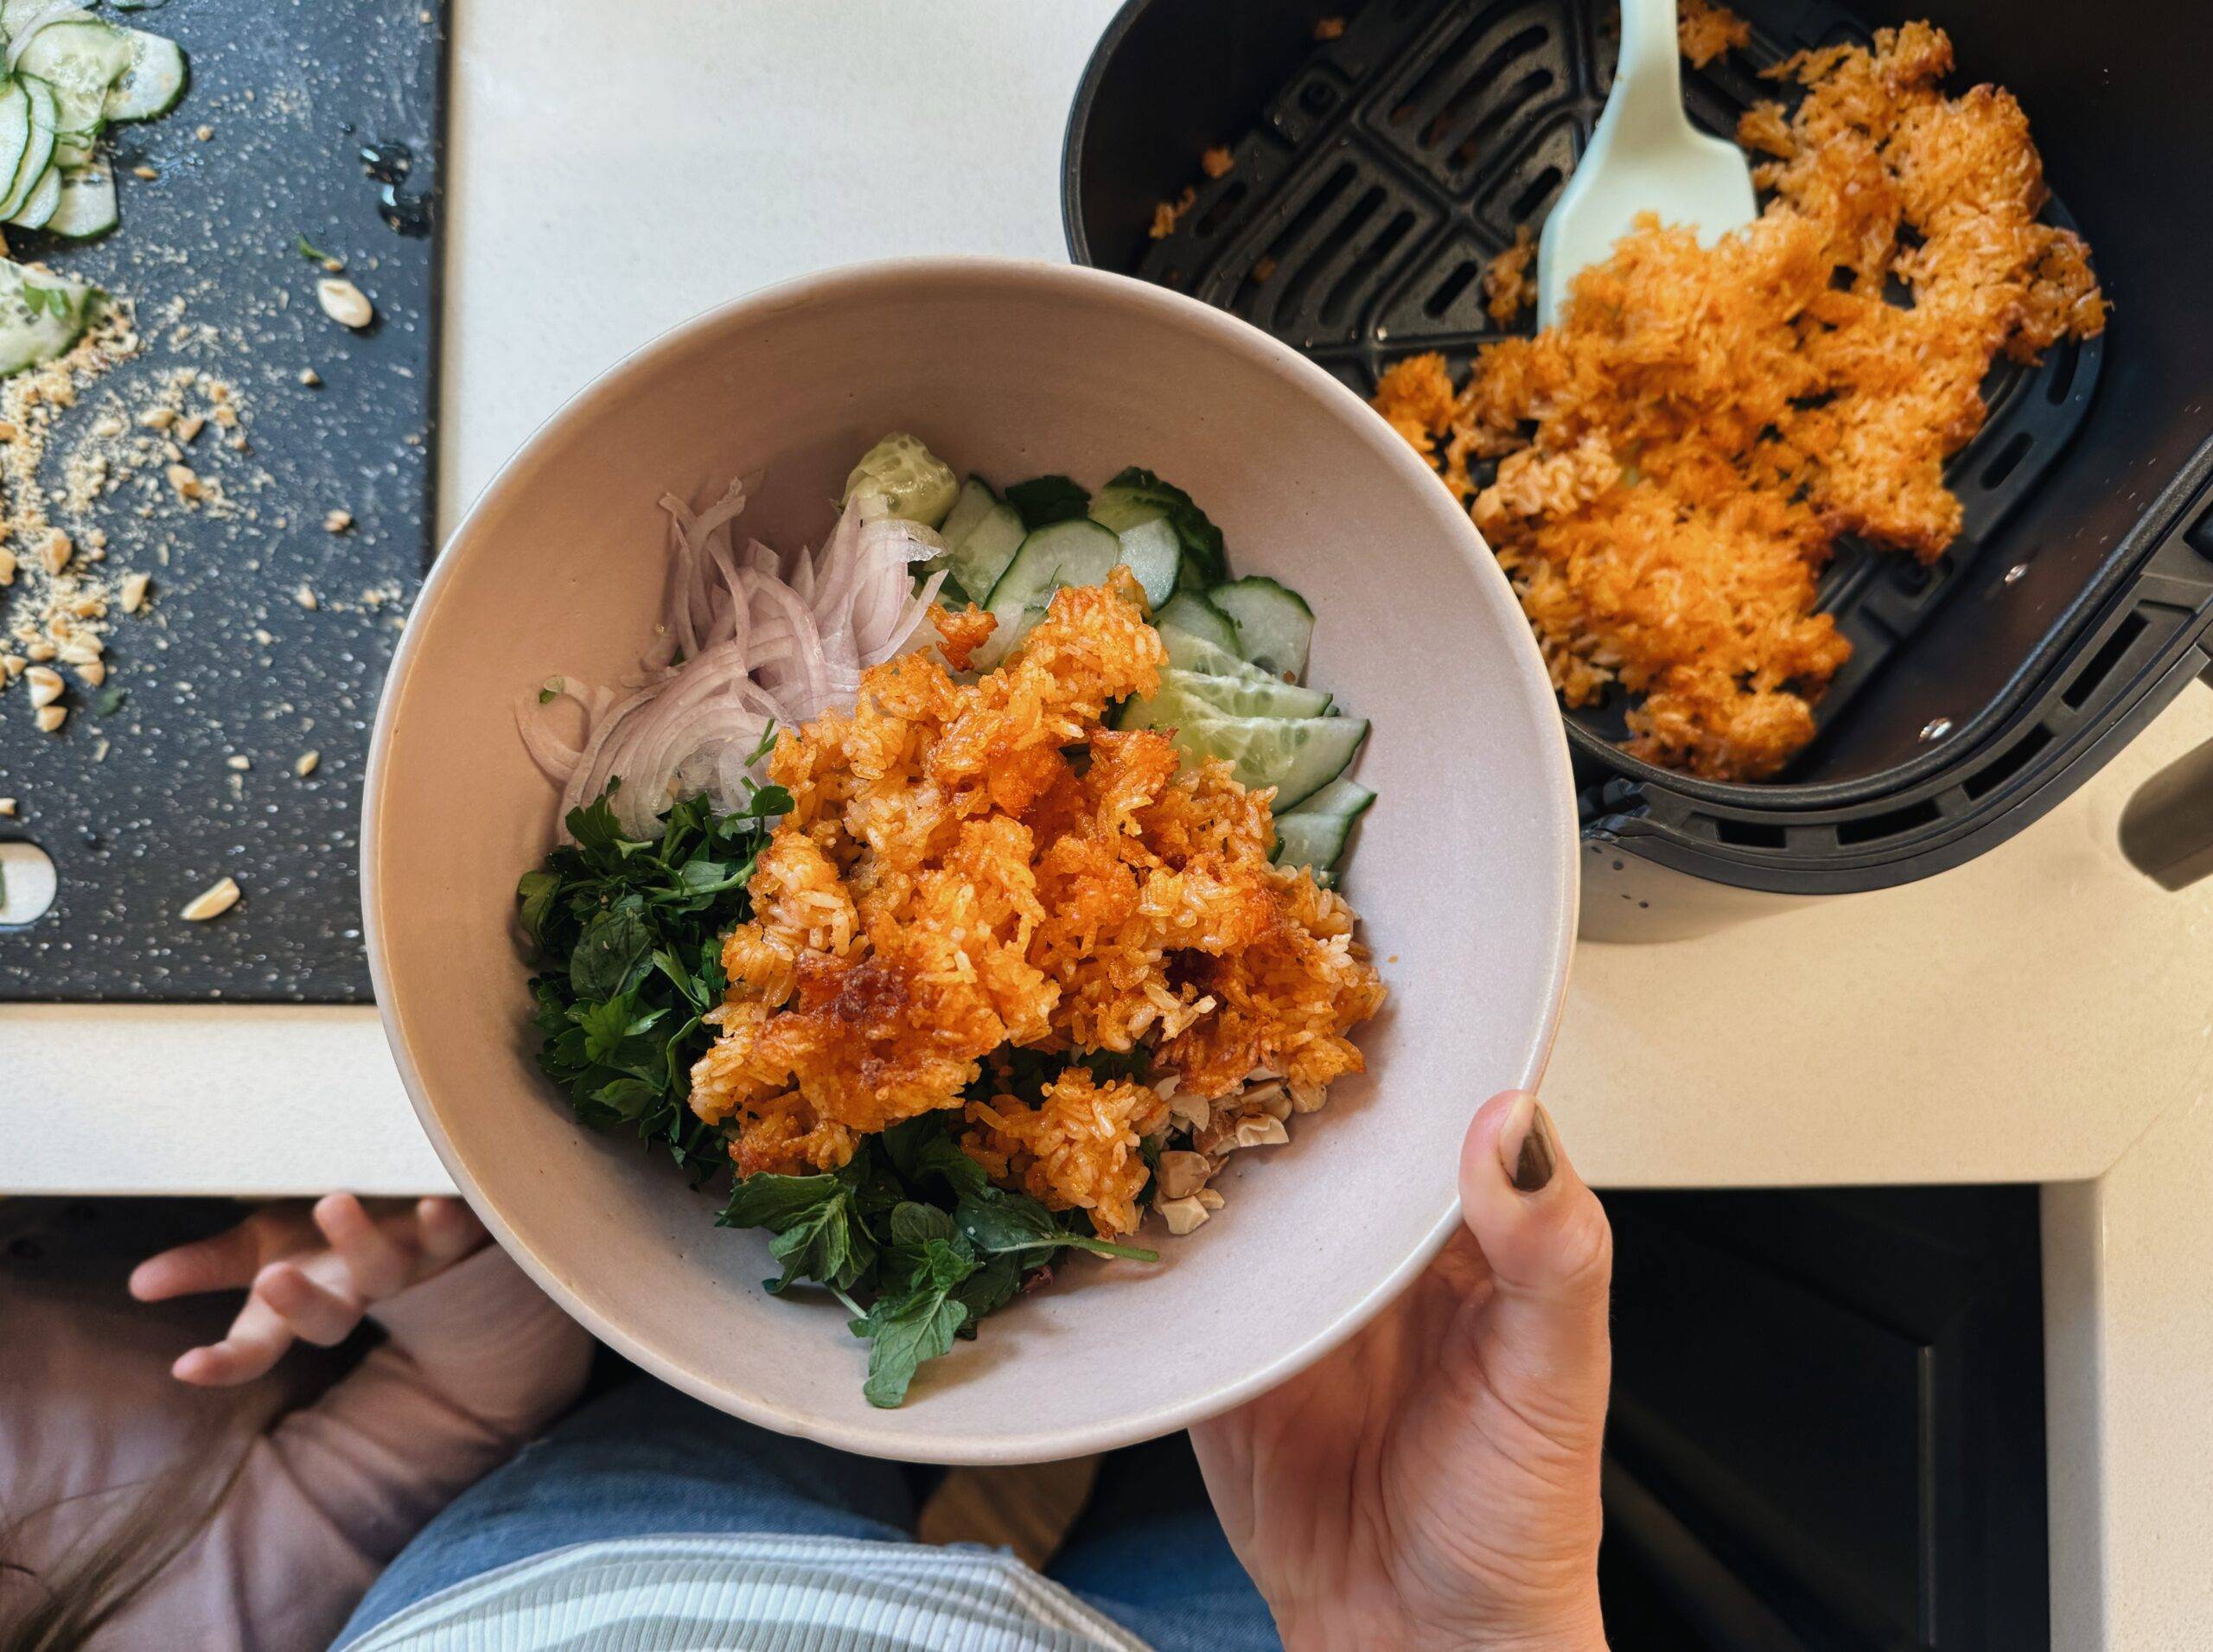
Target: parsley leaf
(1013,1224)
(1047,500)
(313,253)
(905,1330)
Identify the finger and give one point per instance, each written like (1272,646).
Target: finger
(314,1312)
(376,1264)
(258,1339)
(226,1262)
(1549,1248)
(449,1231)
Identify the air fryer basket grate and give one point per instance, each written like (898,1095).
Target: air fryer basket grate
(1402,156)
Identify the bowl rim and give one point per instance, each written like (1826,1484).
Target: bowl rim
(882,1436)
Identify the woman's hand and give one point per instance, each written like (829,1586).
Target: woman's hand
(309,1275)
(1435,1482)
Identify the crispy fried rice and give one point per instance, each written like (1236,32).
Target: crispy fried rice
(968,868)
(1676,460)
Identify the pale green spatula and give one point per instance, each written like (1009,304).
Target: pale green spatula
(1645,156)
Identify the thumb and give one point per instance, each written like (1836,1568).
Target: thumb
(1550,1251)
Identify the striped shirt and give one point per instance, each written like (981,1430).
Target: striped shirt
(753,1594)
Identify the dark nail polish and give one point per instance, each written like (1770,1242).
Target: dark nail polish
(1532,1170)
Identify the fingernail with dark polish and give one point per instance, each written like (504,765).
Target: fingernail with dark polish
(1533,1169)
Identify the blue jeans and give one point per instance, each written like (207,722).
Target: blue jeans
(644,1460)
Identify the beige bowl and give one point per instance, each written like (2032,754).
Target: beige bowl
(1464,872)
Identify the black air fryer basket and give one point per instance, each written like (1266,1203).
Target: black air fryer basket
(1377,171)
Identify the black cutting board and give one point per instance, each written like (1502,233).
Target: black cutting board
(289,93)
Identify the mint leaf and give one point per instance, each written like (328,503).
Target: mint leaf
(922,1147)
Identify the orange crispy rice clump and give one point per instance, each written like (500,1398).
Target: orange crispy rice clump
(1677,459)
(948,883)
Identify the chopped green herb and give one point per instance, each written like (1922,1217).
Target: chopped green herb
(53,300)
(313,253)
(109,702)
(552,691)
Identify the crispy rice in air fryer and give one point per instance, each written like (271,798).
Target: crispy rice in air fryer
(1676,460)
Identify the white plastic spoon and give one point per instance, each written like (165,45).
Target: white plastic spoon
(1645,156)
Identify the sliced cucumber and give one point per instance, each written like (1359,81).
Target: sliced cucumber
(1152,553)
(1124,508)
(973,504)
(35,167)
(1184,694)
(1192,614)
(1314,841)
(151,82)
(1345,799)
(16,135)
(1135,490)
(32,332)
(1275,628)
(1077,551)
(1187,652)
(80,61)
(39,208)
(87,203)
(983,553)
(1297,756)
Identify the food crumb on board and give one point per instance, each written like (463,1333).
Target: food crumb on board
(304,765)
(1166,213)
(142,170)
(1704,31)
(1217,162)
(1263,269)
(240,761)
(50,718)
(213,902)
(305,596)
(344,303)
(203,133)
(6,808)
(1334,28)
(337,521)
(309,377)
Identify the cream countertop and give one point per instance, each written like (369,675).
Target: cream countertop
(1989,1025)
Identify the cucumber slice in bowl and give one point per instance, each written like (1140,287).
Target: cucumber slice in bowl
(1187,652)
(150,83)
(1275,628)
(1297,756)
(1186,694)
(1189,613)
(1077,551)
(1152,553)
(974,503)
(984,553)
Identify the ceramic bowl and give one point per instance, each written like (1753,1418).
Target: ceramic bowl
(1464,873)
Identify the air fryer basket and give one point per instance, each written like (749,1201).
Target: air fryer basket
(1380,170)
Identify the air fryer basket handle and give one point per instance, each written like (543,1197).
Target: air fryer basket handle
(2166,830)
